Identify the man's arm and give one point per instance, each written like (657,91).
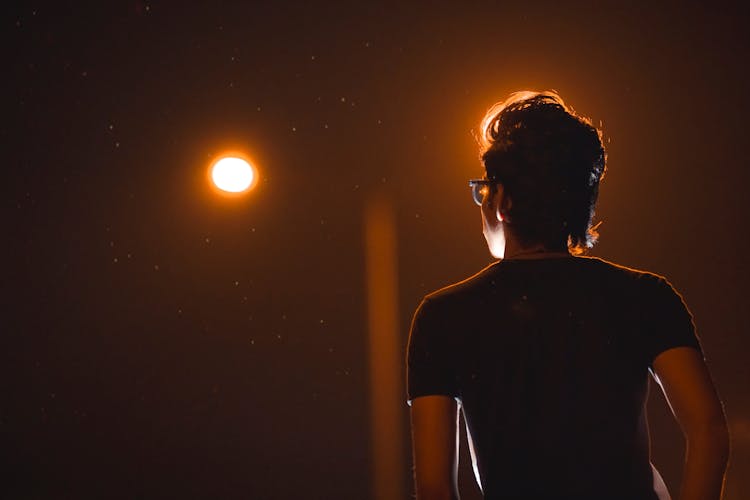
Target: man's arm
(434,426)
(689,390)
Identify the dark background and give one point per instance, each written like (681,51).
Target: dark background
(159,340)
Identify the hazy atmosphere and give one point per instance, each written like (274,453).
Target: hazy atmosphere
(164,340)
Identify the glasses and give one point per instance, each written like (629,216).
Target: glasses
(481,188)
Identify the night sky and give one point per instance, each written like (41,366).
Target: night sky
(160,340)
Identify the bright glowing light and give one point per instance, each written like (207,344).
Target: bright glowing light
(232,174)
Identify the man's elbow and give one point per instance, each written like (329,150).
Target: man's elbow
(711,434)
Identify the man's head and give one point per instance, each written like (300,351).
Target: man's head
(548,162)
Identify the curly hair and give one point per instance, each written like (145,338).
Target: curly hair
(550,162)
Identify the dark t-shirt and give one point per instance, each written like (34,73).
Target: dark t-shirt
(549,359)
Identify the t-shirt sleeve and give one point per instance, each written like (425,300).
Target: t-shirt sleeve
(431,363)
(669,322)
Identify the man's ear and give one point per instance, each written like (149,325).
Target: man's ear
(501,203)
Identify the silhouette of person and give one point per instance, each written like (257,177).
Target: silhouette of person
(548,352)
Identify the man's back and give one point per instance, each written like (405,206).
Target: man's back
(549,358)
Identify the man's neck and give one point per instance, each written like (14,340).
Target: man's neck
(513,250)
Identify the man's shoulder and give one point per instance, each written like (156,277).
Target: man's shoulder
(590,270)
(593,266)
(626,272)
(462,288)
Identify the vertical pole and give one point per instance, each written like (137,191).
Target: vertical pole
(385,355)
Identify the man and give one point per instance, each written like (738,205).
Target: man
(547,352)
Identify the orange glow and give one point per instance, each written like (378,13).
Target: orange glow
(232,174)
(384,348)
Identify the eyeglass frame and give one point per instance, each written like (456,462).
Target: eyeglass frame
(476,188)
